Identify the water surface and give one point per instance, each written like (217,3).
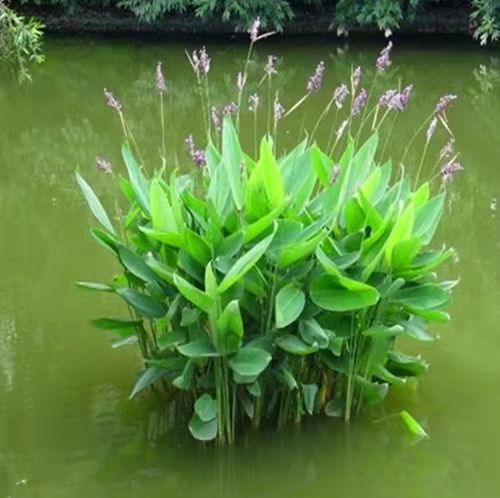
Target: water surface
(67,428)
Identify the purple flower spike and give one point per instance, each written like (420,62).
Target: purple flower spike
(111,101)
(160,79)
(340,94)
(444,102)
(201,61)
(387,97)
(216,119)
(341,129)
(448,150)
(384,60)
(359,102)
(103,165)
(253,102)
(356,78)
(279,112)
(197,155)
(405,95)
(271,65)
(449,170)
(315,81)
(432,128)
(254,30)
(230,109)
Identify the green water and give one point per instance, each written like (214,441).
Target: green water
(67,428)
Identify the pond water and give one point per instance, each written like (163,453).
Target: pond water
(67,428)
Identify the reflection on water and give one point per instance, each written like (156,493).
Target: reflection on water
(67,428)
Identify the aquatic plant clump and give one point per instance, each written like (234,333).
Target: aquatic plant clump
(263,289)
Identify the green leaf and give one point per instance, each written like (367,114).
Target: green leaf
(312,333)
(162,215)
(95,286)
(105,239)
(206,408)
(255,229)
(124,341)
(169,339)
(148,377)
(383,331)
(203,431)
(136,265)
(294,345)
(123,327)
(309,392)
(402,230)
(230,329)
(300,249)
(197,247)
(193,294)
(288,378)
(170,238)
(189,316)
(254,389)
(250,361)
(137,179)
(413,426)
(415,328)
(162,270)
(372,393)
(185,380)
(230,246)
(271,175)
(245,263)
(335,408)
(232,158)
(354,215)
(197,349)
(94,204)
(290,302)
(427,218)
(142,303)
(247,404)
(404,365)
(328,294)
(421,297)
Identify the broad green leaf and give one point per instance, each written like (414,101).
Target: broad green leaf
(205,407)
(387,376)
(194,295)
(232,158)
(94,204)
(294,345)
(137,179)
(202,431)
(402,230)
(422,297)
(421,196)
(423,265)
(372,393)
(169,238)
(290,302)
(105,239)
(312,333)
(197,349)
(415,328)
(244,264)
(288,378)
(190,316)
(405,252)
(254,389)
(300,250)
(354,215)
(147,378)
(95,286)
(309,392)
(255,229)
(162,270)
(136,265)
(271,175)
(230,329)
(328,294)
(162,215)
(247,404)
(404,365)
(322,165)
(427,218)
(383,331)
(170,339)
(142,303)
(123,327)
(250,361)
(197,247)
(413,426)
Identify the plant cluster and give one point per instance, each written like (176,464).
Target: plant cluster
(264,289)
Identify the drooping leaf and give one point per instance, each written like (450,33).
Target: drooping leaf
(422,297)
(203,431)
(313,334)
(404,365)
(124,341)
(413,426)
(185,380)
(122,327)
(205,407)
(416,329)
(160,269)
(427,218)
(148,377)
(146,306)
(294,345)
(288,378)
(309,392)
(290,302)
(136,265)
(95,204)
(373,393)
(172,239)
(248,404)
(170,339)
(197,349)
(137,180)
(249,361)
(244,264)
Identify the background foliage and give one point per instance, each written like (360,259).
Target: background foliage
(484,15)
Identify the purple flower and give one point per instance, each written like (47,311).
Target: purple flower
(254,29)
(279,111)
(253,102)
(355,78)
(229,109)
(216,118)
(201,61)
(240,81)
(160,79)
(315,81)
(111,101)
(386,98)
(334,175)
(449,169)
(384,60)
(397,101)
(359,102)
(103,165)
(340,94)
(432,128)
(405,95)
(448,150)
(270,67)
(341,129)
(197,155)
(444,102)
